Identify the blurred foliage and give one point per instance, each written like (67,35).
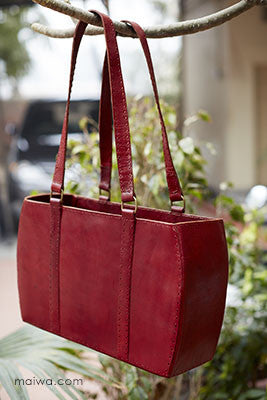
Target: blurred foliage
(47,357)
(240,362)
(239,367)
(13,51)
(148,160)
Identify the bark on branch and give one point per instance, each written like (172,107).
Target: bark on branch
(155,32)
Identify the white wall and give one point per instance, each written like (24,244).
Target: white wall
(204,87)
(220,75)
(247,50)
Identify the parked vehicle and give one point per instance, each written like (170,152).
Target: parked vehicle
(34,147)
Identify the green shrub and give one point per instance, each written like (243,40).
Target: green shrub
(240,361)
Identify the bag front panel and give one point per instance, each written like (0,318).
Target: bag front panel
(89,278)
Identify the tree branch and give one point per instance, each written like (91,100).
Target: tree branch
(160,31)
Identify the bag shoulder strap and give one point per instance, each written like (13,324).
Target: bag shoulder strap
(105,131)
(119,108)
(123,148)
(175,191)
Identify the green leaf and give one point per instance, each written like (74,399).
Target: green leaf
(7,379)
(79,149)
(220,396)
(46,356)
(252,394)
(237,213)
(204,115)
(83,123)
(138,393)
(146,383)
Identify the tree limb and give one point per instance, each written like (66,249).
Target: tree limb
(160,31)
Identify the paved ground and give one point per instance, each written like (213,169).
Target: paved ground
(11,320)
(9,307)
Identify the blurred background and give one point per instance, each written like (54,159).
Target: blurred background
(34,79)
(223,71)
(216,78)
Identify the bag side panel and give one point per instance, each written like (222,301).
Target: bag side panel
(205,261)
(33,263)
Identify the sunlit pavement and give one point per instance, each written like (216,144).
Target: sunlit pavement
(11,320)
(9,303)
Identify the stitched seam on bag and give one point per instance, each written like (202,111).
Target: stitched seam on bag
(182,303)
(126,258)
(130,266)
(54,268)
(50,274)
(57,266)
(51,305)
(179,310)
(120,291)
(178,305)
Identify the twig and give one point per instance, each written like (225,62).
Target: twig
(160,31)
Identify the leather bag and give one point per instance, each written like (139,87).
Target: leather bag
(142,285)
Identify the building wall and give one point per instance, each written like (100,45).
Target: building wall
(220,75)
(204,86)
(261,123)
(247,51)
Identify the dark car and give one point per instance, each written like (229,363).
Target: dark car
(33,151)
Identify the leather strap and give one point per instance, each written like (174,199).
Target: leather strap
(58,178)
(122,132)
(55,202)
(175,191)
(105,130)
(124,296)
(119,108)
(54,295)
(123,149)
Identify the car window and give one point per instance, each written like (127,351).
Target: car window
(47,118)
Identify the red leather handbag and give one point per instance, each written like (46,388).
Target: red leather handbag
(142,285)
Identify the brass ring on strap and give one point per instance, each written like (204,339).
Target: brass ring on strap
(103,195)
(56,195)
(174,207)
(123,203)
